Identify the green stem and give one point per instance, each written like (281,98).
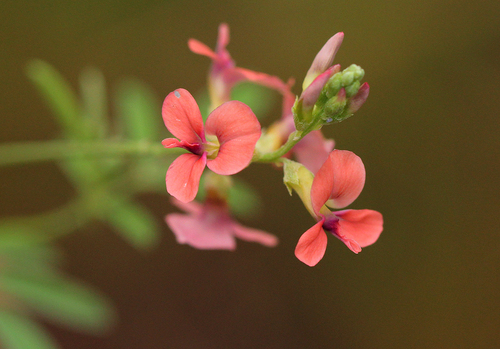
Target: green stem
(19,153)
(273,156)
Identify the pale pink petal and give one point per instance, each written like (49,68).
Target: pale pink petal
(254,235)
(324,58)
(339,181)
(310,95)
(192,207)
(313,150)
(223,37)
(237,130)
(201,49)
(182,116)
(359,98)
(362,226)
(194,231)
(263,79)
(183,176)
(312,245)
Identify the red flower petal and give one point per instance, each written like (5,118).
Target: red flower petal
(340,179)
(237,130)
(201,49)
(254,235)
(362,226)
(312,245)
(183,176)
(182,116)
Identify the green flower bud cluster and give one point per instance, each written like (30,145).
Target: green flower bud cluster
(334,98)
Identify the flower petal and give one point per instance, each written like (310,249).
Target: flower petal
(194,231)
(313,150)
(192,207)
(312,245)
(182,116)
(362,226)
(339,181)
(359,98)
(183,176)
(310,95)
(254,235)
(222,37)
(237,130)
(201,49)
(323,59)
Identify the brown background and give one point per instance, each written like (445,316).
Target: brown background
(428,136)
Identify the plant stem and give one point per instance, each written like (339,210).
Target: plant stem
(26,152)
(293,139)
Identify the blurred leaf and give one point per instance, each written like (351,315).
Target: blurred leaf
(19,332)
(60,97)
(243,200)
(203,100)
(257,97)
(61,300)
(95,106)
(140,111)
(134,223)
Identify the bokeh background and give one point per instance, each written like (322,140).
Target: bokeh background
(428,135)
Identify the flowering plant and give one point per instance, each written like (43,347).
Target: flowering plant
(109,160)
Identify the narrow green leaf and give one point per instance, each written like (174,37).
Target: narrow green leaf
(134,223)
(94,101)
(20,332)
(62,300)
(139,111)
(60,97)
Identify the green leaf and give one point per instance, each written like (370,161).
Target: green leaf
(62,300)
(20,332)
(139,111)
(134,223)
(94,101)
(60,97)
(257,97)
(243,200)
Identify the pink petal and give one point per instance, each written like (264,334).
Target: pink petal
(183,176)
(223,37)
(263,79)
(194,231)
(362,226)
(312,245)
(182,116)
(310,95)
(237,130)
(313,150)
(340,180)
(201,49)
(325,57)
(359,98)
(254,235)
(192,207)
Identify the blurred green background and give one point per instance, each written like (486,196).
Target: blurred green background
(428,136)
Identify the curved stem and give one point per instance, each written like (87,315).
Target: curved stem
(19,153)
(273,156)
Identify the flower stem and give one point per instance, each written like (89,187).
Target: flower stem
(26,152)
(273,156)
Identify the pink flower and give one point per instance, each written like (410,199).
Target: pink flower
(210,226)
(337,184)
(224,74)
(225,144)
